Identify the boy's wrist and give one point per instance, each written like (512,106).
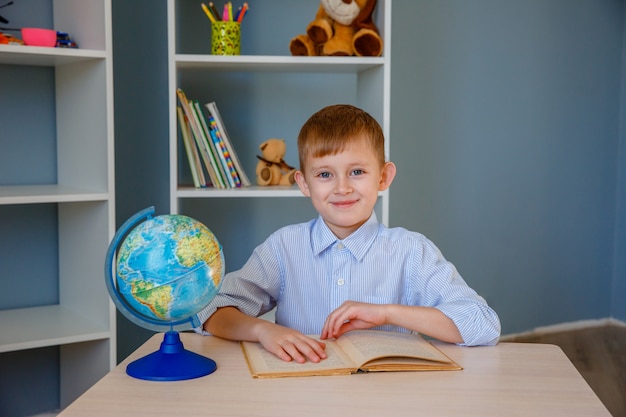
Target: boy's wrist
(259,327)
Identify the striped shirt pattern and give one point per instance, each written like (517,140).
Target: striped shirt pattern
(305,272)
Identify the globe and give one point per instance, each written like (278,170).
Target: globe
(161,271)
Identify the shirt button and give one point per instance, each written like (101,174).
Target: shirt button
(340,281)
(340,246)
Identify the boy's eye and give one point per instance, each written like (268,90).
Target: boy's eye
(357,172)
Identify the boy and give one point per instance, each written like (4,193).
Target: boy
(344,270)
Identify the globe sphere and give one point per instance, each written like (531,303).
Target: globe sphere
(168,268)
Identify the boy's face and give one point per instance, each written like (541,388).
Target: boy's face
(344,187)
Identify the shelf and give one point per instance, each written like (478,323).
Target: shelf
(37,194)
(248,192)
(274,94)
(47,57)
(270,63)
(57,196)
(29,328)
(254,191)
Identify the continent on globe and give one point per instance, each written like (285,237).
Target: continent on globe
(156,299)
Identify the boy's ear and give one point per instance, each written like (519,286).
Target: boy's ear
(388,174)
(304,187)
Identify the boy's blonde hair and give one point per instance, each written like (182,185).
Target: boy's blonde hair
(333,128)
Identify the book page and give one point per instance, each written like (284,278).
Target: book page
(265,364)
(366,345)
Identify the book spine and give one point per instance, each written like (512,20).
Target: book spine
(213,152)
(213,110)
(190,149)
(209,158)
(196,131)
(226,159)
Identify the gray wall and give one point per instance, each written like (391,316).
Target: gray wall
(141,127)
(505,126)
(618,278)
(506,130)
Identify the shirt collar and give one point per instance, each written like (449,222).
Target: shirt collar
(357,243)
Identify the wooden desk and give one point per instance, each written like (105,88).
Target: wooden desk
(511,379)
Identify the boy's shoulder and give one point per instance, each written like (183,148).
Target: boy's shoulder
(399,233)
(403,239)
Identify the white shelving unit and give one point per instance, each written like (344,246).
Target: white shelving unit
(82,323)
(257,96)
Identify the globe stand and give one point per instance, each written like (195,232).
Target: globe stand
(172,362)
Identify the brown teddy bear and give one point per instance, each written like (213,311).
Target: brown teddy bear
(271,168)
(340,28)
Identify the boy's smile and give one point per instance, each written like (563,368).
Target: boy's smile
(344,187)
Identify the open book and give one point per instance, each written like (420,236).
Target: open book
(354,352)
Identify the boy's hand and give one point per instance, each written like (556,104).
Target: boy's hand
(352,315)
(289,344)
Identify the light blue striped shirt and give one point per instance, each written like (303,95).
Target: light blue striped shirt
(306,272)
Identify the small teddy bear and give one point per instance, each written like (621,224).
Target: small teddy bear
(340,28)
(271,168)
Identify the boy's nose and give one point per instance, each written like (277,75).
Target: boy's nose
(343,185)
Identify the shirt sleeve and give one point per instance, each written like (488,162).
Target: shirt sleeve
(253,289)
(442,287)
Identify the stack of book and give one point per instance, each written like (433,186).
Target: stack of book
(211,156)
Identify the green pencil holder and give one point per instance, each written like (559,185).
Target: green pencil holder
(225,38)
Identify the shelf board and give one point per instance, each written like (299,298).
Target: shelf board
(278,63)
(253,191)
(247,192)
(53,193)
(29,328)
(44,56)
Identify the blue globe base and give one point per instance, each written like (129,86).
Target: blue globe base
(172,362)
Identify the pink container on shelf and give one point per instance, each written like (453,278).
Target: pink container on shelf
(39,37)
